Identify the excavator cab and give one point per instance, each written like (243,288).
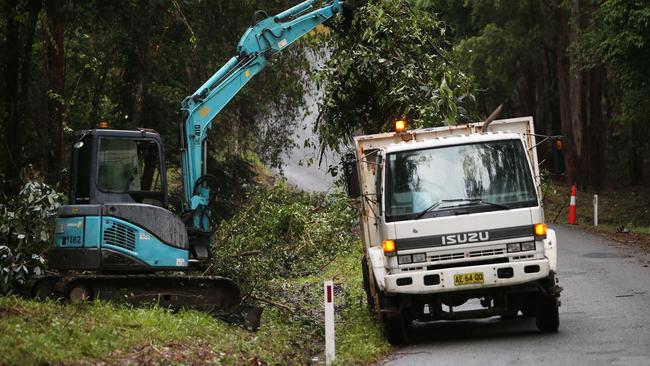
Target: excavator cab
(117,217)
(118,166)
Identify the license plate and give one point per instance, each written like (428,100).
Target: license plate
(468,278)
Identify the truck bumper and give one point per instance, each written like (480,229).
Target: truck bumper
(442,280)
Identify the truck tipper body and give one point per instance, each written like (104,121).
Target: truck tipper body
(451,214)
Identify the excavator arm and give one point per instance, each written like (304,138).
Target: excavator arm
(261,41)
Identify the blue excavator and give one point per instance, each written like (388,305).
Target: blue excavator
(116,239)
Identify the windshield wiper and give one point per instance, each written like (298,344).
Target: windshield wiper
(472,200)
(427,210)
(435,205)
(495,205)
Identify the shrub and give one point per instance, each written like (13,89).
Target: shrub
(283,233)
(26,223)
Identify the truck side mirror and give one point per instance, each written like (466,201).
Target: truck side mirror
(557,146)
(351,177)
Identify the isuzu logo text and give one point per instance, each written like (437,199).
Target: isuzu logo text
(465,238)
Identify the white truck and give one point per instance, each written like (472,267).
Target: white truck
(450,214)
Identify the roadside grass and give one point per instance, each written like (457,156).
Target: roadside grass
(34,332)
(359,337)
(50,333)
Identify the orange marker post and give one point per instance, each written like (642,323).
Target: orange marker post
(572,206)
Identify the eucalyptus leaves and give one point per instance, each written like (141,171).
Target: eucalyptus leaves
(26,223)
(394,61)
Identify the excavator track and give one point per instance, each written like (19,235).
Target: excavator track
(216,295)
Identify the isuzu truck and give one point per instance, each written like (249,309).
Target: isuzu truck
(453,226)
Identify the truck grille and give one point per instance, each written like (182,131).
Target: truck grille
(486,252)
(437,261)
(121,236)
(472,254)
(446,257)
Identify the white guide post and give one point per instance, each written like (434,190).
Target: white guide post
(330,352)
(595,210)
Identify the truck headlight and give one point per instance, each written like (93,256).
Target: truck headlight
(420,257)
(527,246)
(404,259)
(514,247)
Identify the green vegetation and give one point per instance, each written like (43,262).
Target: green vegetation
(282,246)
(67,65)
(288,243)
(578,67)
(393,62)
(284,233)
(26,222)
(37,333)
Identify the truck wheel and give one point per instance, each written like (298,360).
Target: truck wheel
(548,316)
(396,328)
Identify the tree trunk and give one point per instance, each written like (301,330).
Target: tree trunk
(578,94)
(11,90)
(562,67)
(597,131)
(55,86)
(98,91)
(17,76)
(138,97)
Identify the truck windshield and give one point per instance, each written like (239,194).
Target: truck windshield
(484,176)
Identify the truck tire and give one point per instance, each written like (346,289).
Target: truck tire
(396,319)
(396,328)
(547,316)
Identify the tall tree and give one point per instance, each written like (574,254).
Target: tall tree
(616,41)
(21,19)
(54,10)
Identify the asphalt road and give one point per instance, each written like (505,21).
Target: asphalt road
(604,317)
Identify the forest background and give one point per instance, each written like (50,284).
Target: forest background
(579,67)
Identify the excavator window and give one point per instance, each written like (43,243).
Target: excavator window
(81,163)
(130,166)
